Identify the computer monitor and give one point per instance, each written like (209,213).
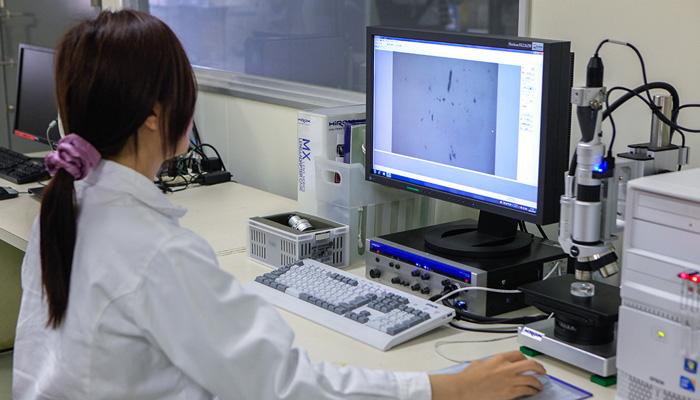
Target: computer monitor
(35,106)
(482,121)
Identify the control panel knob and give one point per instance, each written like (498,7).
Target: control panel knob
(375,273)
(415,272)
(425,276)
(396,280)
(425,290)
(415,287)
(449,287)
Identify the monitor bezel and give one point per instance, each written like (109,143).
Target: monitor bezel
(556,118)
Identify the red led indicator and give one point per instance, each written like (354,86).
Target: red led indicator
(684,275)
(695,278)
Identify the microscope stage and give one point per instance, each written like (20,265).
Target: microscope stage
(598,359)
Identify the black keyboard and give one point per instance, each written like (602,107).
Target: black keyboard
(18,168)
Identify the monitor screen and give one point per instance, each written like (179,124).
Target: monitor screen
(35,106)
(482,121)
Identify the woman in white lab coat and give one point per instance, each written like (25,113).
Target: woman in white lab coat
(119,301)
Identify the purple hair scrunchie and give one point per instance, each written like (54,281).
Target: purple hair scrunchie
(74,154)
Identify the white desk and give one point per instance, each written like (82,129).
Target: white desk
(219,214)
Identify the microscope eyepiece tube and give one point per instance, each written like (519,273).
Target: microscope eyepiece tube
(587,213)
(566,217)
(587,226)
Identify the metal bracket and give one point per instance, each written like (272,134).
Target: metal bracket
(587,97)
(683,155)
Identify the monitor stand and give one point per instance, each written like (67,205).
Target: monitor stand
(492,236)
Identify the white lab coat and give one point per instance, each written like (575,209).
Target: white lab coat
(152,316)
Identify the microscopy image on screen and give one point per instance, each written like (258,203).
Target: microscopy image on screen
(444,110)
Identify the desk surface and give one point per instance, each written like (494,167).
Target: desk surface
(219,213)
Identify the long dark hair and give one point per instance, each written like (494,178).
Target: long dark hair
(110,72)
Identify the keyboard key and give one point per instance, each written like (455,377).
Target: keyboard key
(18,168)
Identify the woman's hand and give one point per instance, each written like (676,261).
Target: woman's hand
(501,377)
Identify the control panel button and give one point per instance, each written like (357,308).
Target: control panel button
(415,272)
(425,276)
(425,290)
(375,273)
(415,287)
(396,280)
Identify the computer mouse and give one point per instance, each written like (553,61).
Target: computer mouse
(7,193)
(544,379)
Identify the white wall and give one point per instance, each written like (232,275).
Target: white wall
(665,32)
(257,141)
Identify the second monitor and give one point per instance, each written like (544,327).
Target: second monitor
(35,106)
(482,121)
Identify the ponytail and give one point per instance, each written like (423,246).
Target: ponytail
(72,160)
(58,233)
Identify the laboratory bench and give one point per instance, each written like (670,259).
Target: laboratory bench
(219,213)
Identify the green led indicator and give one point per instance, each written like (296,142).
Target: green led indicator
(414,189)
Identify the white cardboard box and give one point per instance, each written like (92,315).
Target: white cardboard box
(273,242)
(317,133)
(367,208)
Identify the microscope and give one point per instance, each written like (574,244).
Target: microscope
(584,308)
